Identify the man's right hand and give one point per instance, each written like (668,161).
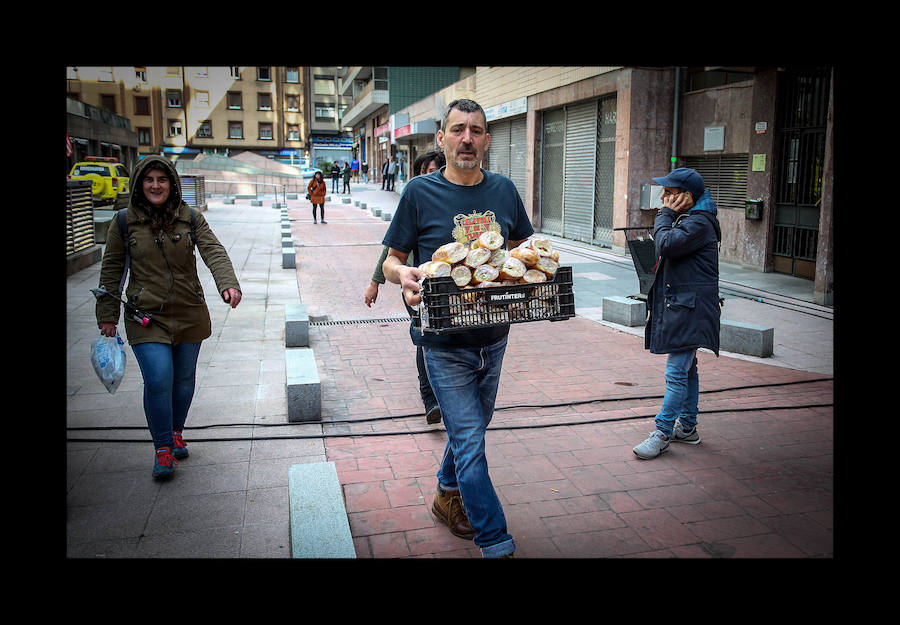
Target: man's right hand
(409,282)
(107,329)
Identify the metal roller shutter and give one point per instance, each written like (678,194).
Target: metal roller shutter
(498,154)
(517,154)
(79,216)
(553,149)
(606,166)
(725,175)
(580,165)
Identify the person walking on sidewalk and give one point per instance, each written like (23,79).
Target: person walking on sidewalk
(683,302)
(463,368)
(365,171)
(346,175)
(424,164)
(384,174)
(354,167)
(391,172)
(163,281)
(315,191)
(335,176)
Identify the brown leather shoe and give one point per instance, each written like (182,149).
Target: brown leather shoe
(448,508)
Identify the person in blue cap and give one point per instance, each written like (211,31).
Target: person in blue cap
(683,303)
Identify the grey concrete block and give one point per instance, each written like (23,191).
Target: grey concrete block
(346,200)
(291,196)
(287,242)
(385,216)
(327,198)
(296,325)
(319,525)
(288,258)
(304,389)
(746,338)
(624,311)
(376,210)
(255,202)
(228,200)
(362,205)
(356,202)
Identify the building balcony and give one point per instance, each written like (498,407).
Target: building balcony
(368,102)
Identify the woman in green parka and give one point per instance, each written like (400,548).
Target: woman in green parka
(163,283)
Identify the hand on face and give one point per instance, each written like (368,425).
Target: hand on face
(679,201)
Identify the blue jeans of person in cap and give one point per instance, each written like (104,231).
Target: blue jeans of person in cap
(465,381)
(682,392)
(169,373)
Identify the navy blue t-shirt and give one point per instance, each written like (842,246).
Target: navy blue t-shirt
(434,211)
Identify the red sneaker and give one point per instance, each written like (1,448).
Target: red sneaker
(179,450)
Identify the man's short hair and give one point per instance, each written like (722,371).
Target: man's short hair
(466,106)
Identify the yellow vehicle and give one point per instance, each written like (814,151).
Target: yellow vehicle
(108,177)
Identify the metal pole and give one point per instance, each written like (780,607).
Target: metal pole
(675,118)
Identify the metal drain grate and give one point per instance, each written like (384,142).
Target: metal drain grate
(349,322)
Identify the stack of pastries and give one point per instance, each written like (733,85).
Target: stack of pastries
(486,262)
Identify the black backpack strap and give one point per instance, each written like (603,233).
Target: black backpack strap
(193,227)
(122,222)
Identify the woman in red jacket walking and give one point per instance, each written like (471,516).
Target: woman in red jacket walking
(316,192)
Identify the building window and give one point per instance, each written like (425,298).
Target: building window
(263,73)
(105,74)
(234,100)
(293,132)
(173,98)
(140,73)
(292,74)
(265,101)
(141,105)
(144,136)
(235,130)
(202,98)
(201,72)
(108,102)
(234,72)
(205,129)
(293,103)
(265,130)
(325,112)
(323,85)
(174,127)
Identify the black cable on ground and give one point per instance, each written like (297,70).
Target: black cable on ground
(501,427)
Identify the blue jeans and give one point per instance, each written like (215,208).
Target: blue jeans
(682,392)
(464,381)
(169,374)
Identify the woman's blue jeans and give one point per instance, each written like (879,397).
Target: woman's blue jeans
(464,381)
(169,372)
(682,392)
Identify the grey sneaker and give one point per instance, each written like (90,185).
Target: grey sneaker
(655,444)
(680,436)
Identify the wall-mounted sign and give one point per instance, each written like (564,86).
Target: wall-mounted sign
(759,162)
(506,109)
(714,138)
(761,127)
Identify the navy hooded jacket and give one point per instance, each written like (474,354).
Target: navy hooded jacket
(684,300)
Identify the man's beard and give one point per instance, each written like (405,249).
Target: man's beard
(466,164)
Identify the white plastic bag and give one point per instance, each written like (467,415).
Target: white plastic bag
(108,358)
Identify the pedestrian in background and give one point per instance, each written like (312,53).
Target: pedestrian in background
(463,367)
(354,167)
(163,281)
(315,191)
(365,171)
(683,303)
(424,164)
(391,172)
(384,174)
(346,175)
(335,176)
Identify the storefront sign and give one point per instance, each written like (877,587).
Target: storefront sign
(506,109)
(402,131)
(383,130)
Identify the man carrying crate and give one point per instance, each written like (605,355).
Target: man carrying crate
(459,202)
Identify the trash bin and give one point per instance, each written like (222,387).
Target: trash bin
(754,209)
(643,253)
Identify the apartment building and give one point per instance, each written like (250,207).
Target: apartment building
(582,143)
(379,97)
(182,111)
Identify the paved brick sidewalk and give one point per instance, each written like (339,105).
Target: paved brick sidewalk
(759,485)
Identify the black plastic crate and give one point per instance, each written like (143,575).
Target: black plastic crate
(447,308)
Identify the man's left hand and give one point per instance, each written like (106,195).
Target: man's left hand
(679,203)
